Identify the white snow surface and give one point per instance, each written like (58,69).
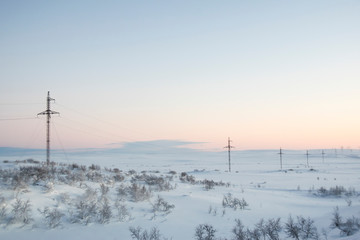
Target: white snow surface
(255,177)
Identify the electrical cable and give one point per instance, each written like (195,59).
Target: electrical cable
(62,146)
(20,118)
(111,124)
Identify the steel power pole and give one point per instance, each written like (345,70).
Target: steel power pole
(280,153)
(307,157)
(48,112)
(229,148)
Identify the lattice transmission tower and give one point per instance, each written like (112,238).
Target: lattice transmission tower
(48,112)
(229,148)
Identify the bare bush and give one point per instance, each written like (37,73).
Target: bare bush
(336,191)
(233,202)
(273,228)
(205,232)
(21,212)
(139,234)
(123,213)
(209,184)
(336,221)
(239,231)
(139,193)
(302,229)
(52,217)
(105,213)
(85,212)
(49,187)
(121,192)
(104,190)
(348,227)
(162,206)
(3,209)
(154,182)
(184,177)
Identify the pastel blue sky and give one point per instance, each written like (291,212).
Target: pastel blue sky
(265,73)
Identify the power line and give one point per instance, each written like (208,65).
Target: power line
(14,119)
(18,104)
(61,144)
(113,125)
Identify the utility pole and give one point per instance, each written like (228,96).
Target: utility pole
(48,114)
(229,147)
(307,157)
(280,153)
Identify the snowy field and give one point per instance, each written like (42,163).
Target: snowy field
(102,194)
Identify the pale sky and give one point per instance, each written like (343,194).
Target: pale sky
(268,74)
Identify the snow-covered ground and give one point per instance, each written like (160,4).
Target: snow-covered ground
(255,177)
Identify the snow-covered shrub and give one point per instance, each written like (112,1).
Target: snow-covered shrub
(104,211)
(239,232)
(89,195)
(123,213)
(209,184)
(94,176)
(273,228)
(3,209)
(139,234)
(336,221)
(49,187)
(94,167)
(73,177)
(302,229)
(85,212)
(21,212)
(139,193)
(162,206)
(336,191)
(348,227)
(52,217)
(348,201)
(64,198)
(292,228)
(19,181)
(205,232)
(184,177)
(121,192)
(104,190)
(118,177)
(261,227)
(154,182)
(233,202)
